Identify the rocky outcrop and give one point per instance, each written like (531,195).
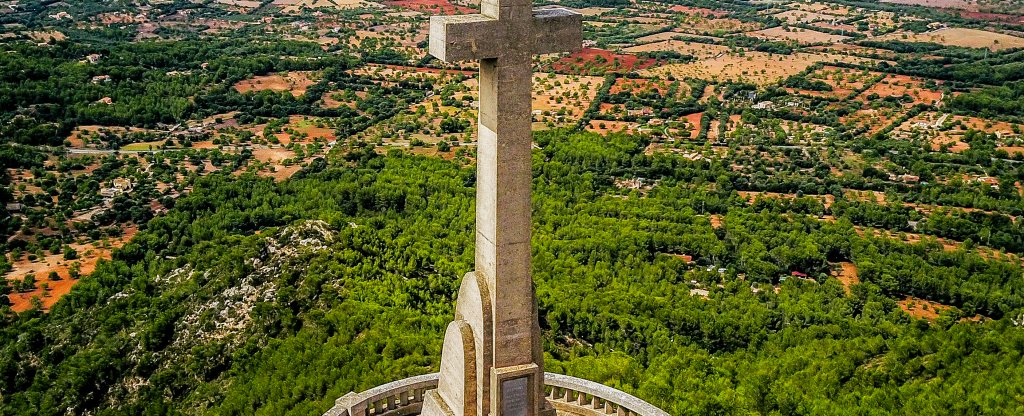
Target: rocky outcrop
(218,314)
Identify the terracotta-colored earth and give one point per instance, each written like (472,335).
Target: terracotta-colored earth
(641,85)
(716,221)
(208,144)
(605,127)
(89,256)
(715,128)
(281,172)
(274,155)
(309,128)
(922,309)
(599,61)
(295,82)
(954,145)
(900,85)
(912,238)
(78,135)
(441,7)
(873,120)
(843,81)
(988,126)
(694,121)
(569,95)
(949,130)
(848,276)
(995,17)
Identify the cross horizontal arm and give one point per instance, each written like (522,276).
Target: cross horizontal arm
(477,36)
(556,31)
(464,37)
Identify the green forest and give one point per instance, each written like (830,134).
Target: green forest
(256,297)
(1007,100)
(302,183)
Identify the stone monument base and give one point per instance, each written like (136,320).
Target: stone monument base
(565,396)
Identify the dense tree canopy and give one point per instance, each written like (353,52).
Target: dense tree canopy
(616,304)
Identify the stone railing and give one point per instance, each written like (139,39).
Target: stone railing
(587,398)
(568,395)
(399,398)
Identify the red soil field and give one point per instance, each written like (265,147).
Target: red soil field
(208,144)
(41,269)
(281,173)
(922,309)
(897,85)
(599,61)
(694,120)
(443,7)
(612,127)
(995,17)
(295,82)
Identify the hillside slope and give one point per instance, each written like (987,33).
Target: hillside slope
(255,297)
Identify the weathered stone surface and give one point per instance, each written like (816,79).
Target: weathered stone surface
(555,31)
(433,405)
(463,38)
(474,307)
(458,369)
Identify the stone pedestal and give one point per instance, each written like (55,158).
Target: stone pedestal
(471,384)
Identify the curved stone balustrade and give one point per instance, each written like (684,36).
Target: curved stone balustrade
(568,395)
(587,398)
(398,398)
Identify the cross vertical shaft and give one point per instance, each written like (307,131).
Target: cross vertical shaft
(503,215)
(496,312)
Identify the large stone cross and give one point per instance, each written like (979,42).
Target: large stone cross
(492,362)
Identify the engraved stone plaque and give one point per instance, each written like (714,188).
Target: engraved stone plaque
(515,400)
